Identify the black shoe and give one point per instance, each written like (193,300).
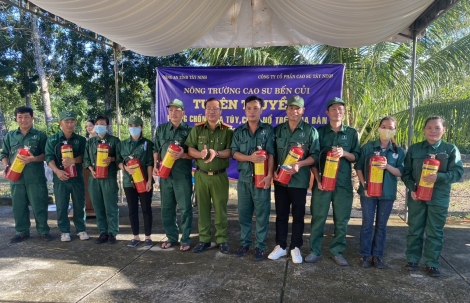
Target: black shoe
(242,251)
(378,262)
(223,248)
(111,239)
(19,238)
(411,266)
(102,238)
(364,262)
(46,237)
(433,272)
(259,254)
(200,247)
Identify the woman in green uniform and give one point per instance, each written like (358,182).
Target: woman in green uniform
(378,208)
(136,146)
(429,217)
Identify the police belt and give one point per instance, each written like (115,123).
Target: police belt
(211,173)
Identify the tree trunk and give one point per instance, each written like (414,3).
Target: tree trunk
(108,101)
(3,127)
(46,101)
(26,84)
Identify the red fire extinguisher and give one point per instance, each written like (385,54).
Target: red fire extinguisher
(261,169)
(425,189)
(168,160)
(375,178)
(138,175)
(330,172)
(295,155)
(14,173)
(102,154)
(67,152)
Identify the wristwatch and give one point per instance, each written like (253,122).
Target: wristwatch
(216,154)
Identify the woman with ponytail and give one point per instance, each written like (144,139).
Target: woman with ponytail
(378,208)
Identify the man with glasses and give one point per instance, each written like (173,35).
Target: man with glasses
(209,144)
(293,132)
(177,188)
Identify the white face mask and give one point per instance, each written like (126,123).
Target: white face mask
(387,134)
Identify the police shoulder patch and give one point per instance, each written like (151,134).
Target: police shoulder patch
(200,123)
(226,125)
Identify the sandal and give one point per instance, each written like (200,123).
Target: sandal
(166,245)
(185,247)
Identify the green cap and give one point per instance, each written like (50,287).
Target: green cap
(296,100)
(177,103)
(67,115)
(136,121)
(334,101)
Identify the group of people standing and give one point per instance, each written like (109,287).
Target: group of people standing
(210,144)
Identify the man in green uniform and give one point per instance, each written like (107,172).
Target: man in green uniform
(177,188)
(247,139)
(103,191)
(31,187)
(65,186)
(345,141)
(293,132)
(209,143)
(429,217)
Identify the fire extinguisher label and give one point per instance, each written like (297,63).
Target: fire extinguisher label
(17,166)
(376,174)
(168,161)
(427,170)
(137,175)
(101,156)
(291,158)
(259,168)
(330,167)
(67,153)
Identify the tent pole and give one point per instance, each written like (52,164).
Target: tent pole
(118,109)
(411,118)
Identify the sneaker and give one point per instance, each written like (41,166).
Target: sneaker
(259,254)
(19,238)
(296,256)
(65,237)
(340,260)
(133,243)
(111,239)
(312,258)
(378,262)
(364,262)
(433,272)
(148,243)
(242,251)
(102,238)
(46,237)
(83,235)
(223,248)
(411,266)
(200,247)
(277,253)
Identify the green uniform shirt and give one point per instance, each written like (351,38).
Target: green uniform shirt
(246,143)
(36,141)
(218,139)
(142,149)
(394,159)
(304,134)
(166,135)
(348,139)
(53,145)
(450,168)
(91,150)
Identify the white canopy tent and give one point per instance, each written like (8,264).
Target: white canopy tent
(164,27)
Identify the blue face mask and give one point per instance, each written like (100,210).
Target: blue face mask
(135,131)
(100,129)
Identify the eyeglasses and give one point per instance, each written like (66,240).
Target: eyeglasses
(215,109)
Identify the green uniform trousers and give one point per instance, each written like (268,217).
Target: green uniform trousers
(342,200)
(212,190)
(62,192)
(177,192)
(104,196)
(430,219)
(258,200)
(35,195)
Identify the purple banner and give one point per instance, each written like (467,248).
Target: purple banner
(231,85)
